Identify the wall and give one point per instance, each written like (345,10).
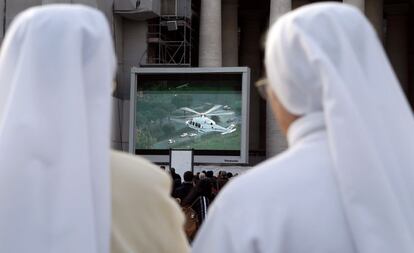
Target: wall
(131,47)
(106,7)
(134,35)
(13,7)
(120,125)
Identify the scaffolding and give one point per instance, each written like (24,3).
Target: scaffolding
(169,38)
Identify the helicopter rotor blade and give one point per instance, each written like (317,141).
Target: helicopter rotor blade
(220,114)
(212,109)
(178,120)
(183,117)
(189,110)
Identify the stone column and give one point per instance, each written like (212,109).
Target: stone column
(278,8)
(210,48)
(374,9)
(2,20)
(360,4)
(230,40)
(275,140)
(250,56)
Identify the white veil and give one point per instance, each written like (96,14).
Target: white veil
(326,58)
(56,68)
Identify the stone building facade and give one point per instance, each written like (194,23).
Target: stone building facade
(225,33)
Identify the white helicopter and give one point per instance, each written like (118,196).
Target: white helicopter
(203,124)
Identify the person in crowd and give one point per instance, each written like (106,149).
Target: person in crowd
(200,198)
(186,187)
(345,183)
(196,178)
(213,180)
(176,178)
(57,64)
(202,176)
(222,180)
(210,174)
(229,175)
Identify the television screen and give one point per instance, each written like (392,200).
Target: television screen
(189,112)
(203,111)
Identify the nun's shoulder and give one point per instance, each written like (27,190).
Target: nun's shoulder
(138,171)
(290,174)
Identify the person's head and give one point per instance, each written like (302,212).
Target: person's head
(295,55)
(209,174)
(172,171)
(283,116)
(202,176)
(229,175)
(188,176)
(325,64)
(57,64)
(222,174)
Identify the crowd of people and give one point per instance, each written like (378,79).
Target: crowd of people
(181,188)
(344,185)
(198,190)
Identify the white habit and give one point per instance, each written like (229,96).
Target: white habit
(56,69)
(287,204)
(346,183)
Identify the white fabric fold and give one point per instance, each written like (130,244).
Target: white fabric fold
(327,58)
(309,123)
(56,68)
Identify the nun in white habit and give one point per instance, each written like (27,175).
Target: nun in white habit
(54,132)
(57,64)
(346,183)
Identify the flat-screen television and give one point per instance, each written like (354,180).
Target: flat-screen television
(204,109)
